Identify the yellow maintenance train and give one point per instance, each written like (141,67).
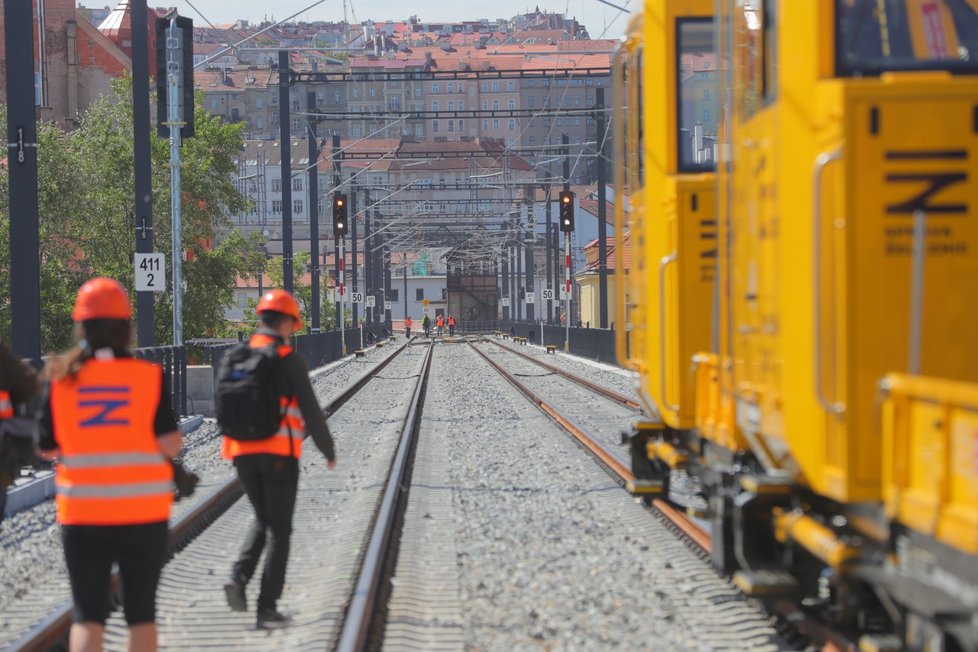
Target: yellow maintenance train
(802,307)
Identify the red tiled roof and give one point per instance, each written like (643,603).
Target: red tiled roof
(591,254)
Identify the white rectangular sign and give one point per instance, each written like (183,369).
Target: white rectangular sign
(388,305)
(371,301)
(505,302)
(530,298)
(150,272)
(357,297)
(547,294)
(563,292)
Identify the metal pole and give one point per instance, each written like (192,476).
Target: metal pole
(405,287)
(547,248)
(518,278)
(528,266)
(505,269)
(285,135)
(354,250)
(174,75)
(917,289)
(341,284)
(599,121)
(142,162)
(368,255)
(336,240)
(387,285)
(565,141)
(313,181)
(25,261)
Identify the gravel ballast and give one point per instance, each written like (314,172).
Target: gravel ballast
(550,552)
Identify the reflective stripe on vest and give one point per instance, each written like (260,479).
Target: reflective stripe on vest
(6,406)
(287,441)
(112,471)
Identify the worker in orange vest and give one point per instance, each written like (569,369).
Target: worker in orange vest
(451,326)
(106,418)
(440,324)
(269,468)
(18,385)
(407,327)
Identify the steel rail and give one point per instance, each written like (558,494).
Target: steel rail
(357,623)
(584,382)
(52,630)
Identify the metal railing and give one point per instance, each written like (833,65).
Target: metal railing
(173,359)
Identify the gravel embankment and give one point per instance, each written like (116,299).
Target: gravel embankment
(33,579)
(545,550)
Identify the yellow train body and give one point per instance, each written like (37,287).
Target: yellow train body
(788,332)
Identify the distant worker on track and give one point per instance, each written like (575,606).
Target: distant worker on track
(451,326)
(18,385)
(106,417)
(265,442)
(426,325)
(440,324)
(407,327)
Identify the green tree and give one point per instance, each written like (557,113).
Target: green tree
(301,291)
(86,211)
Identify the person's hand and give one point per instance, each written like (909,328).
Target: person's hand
(331,464)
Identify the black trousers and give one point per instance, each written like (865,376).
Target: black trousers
(270,482)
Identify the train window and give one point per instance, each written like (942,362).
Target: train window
(634,129)
(875,36)
(755,49)
(696,83)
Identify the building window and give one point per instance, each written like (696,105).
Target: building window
(461,125)
(434,126)
(451,125)
(357,131)
(451,87)
(435,87)
(321,96)
(295,125)
(533,140)
(706,116)
(706,93)
(485,125)
(495,105)
(577,101)
(276,205)
(392,294)
(451,105)
(461,105)
(577,122)
(434,105)
(274,117)
(417,91)
(297,207)
(461,87)
(512,104)
(512,124)
(495,87)
(276,185)
(419,294)
(274,99)
(356,92)
(485,105)
(417,130)
(533,101)
(485,87)
(260,122)
(297,183)
(259,103)
(373,92)
(509,86)
(495,125)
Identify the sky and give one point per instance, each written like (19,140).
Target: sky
(595,16)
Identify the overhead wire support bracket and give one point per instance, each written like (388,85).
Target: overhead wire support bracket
(296,77)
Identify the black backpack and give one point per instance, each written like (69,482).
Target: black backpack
(248,391)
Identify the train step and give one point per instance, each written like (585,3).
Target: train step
(765,583)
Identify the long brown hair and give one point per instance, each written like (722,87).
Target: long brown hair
(91,335)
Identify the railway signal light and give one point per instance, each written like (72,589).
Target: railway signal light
(566,211)
(340,224)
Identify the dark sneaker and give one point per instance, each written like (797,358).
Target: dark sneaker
(235,593)
(272,619)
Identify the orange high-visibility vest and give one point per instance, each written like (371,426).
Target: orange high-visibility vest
(111,470)
(408,323)
(287,441)
(441,322)
(451,321)
(6,406)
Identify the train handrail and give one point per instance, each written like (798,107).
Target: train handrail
(663,264)
(822,162)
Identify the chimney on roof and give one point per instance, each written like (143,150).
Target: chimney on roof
(227,77)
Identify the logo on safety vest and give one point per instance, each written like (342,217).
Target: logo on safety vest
(101,405)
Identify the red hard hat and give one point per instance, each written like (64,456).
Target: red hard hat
(283,302)
(102,298)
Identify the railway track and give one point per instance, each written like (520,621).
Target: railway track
(795,626)
(51,630)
